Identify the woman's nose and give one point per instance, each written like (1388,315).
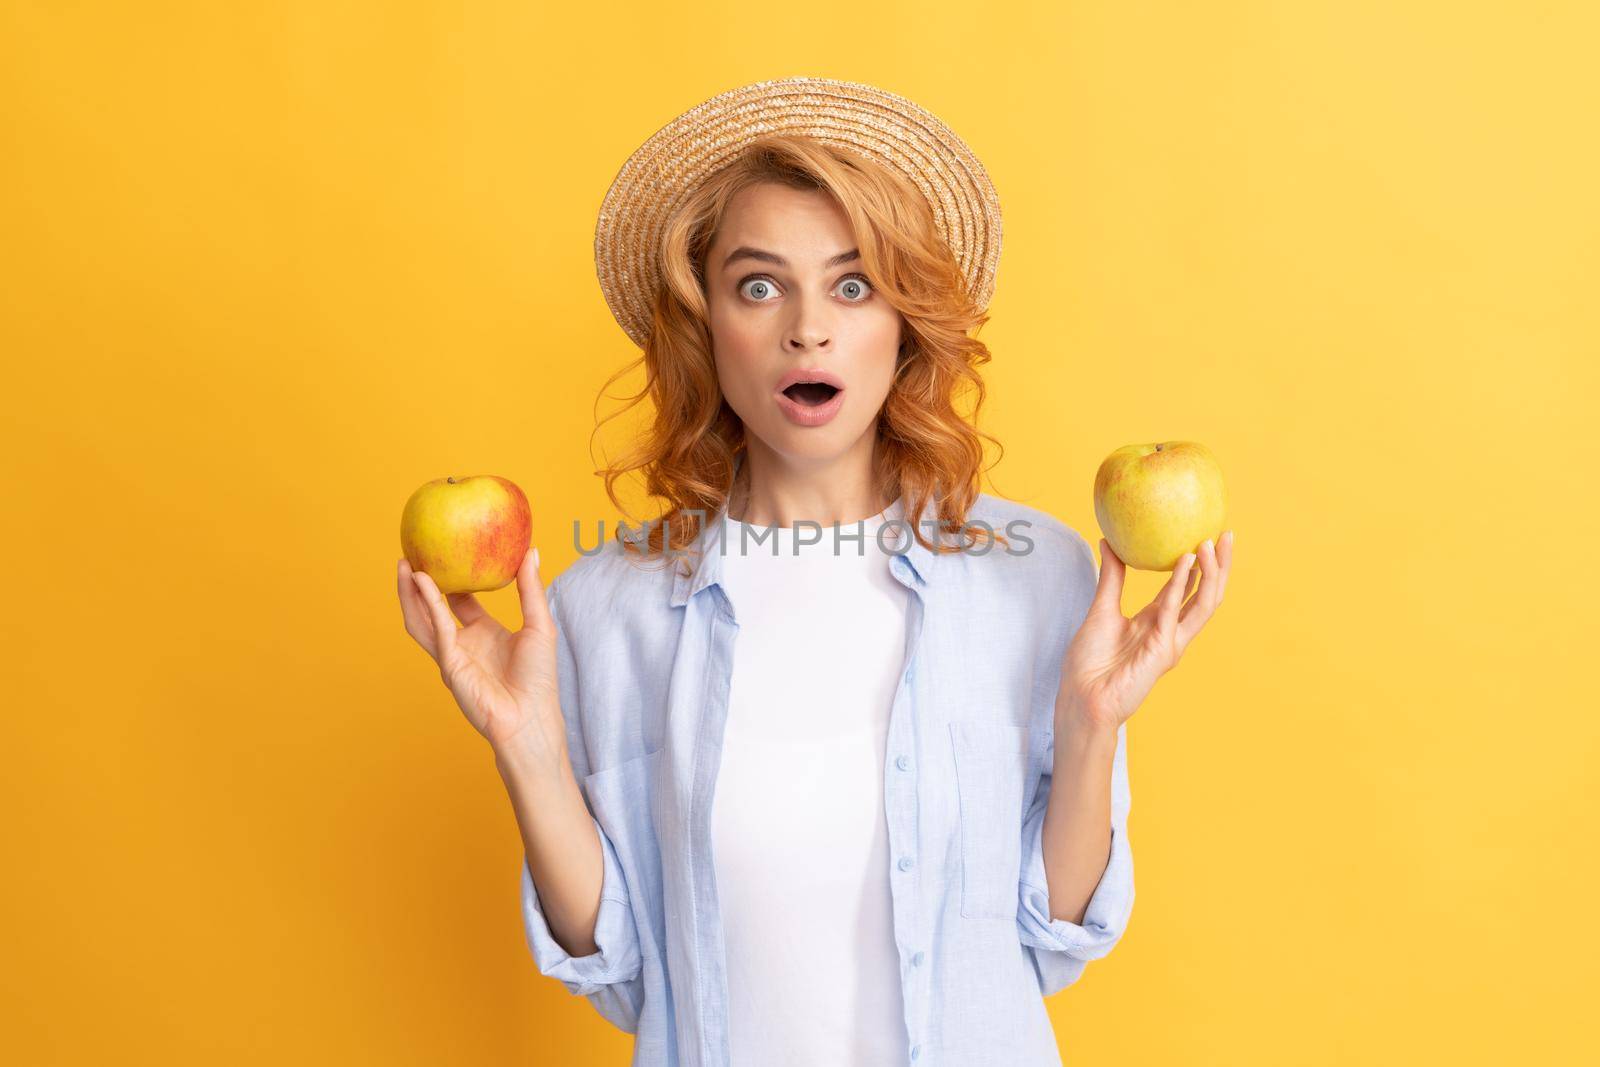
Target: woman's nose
(809,330)
(811,326)
(801,340)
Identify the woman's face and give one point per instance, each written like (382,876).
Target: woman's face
(788,301)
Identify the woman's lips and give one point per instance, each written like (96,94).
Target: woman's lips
(810,414)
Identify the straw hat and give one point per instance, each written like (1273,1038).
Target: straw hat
(884,127)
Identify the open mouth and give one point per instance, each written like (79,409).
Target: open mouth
(811,394)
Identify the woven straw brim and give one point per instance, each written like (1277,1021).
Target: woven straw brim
(881,126)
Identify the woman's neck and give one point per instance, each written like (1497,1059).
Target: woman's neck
(762,496)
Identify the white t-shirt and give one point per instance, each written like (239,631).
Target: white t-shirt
(799,841)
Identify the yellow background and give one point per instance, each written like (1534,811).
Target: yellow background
(268,267)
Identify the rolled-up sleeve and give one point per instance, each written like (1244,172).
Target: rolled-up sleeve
(616,957)
(610,977)
(1060,949)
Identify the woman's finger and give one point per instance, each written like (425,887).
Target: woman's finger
(1171,596)
(530,593)
(1206,562)
(1108,594)
(1188,587)
(1195,614)
(444,624)
(1225,555)
(466,607)
(419,623)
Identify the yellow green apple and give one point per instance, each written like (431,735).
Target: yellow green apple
(468,534)
(1157,502)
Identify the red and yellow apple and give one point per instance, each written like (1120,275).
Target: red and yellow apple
(468,534)
(1157,502)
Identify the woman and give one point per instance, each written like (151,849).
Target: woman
(808,782)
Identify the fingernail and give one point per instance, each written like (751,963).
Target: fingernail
(1190,559)
(536,558)
(1209,547)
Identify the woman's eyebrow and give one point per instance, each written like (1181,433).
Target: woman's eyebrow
(746,252)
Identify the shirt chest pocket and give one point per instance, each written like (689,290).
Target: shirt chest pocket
(622,798)
(993,782)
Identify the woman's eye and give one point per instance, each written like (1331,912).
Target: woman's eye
(757,289)
(854,285)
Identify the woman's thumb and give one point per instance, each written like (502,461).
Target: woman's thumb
(530,590)
(1108,591)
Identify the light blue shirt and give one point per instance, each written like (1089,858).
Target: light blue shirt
(646,653)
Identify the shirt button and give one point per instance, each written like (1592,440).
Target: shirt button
(916,1050)
(902,762)
(916,960)
(905,863)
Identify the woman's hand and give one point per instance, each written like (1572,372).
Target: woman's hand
(1113,662)
(502,680)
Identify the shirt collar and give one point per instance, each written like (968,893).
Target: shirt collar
(701,565)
